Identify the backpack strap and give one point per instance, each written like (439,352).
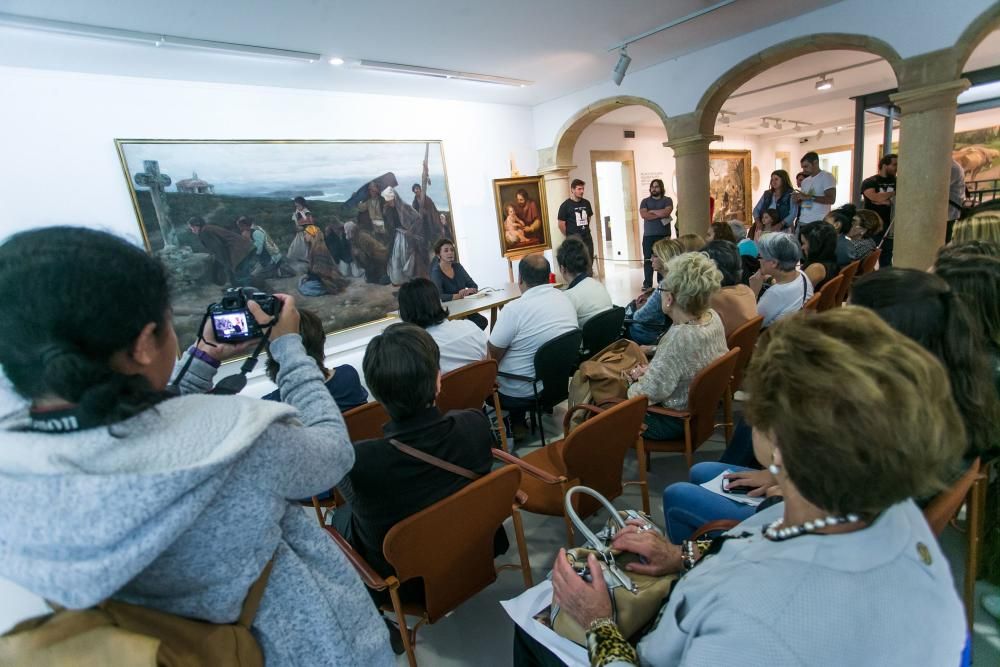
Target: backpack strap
(433,460)
(254,595)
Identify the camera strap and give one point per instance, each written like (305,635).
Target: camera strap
(231,384)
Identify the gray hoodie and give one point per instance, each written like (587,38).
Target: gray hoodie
(180,507)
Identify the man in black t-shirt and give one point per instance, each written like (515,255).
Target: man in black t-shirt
(878,192)
(655,211)
(575,214)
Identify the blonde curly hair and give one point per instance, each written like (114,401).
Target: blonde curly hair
(692,278)
(664,249)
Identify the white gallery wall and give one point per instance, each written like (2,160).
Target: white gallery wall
(59,164)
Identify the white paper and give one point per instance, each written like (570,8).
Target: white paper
(715,486)
(526,606)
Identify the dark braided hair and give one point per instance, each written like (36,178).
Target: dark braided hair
(73,297)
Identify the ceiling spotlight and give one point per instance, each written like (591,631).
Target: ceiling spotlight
(336,60)
(764,123)
(777,124)
(819,135)
(824,83)
(623,62)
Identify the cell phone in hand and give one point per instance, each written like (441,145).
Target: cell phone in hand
(736,490)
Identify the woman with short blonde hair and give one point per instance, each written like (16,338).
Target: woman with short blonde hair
(784,584)
(695,340)
(648,323)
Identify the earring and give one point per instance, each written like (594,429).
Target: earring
(774,469)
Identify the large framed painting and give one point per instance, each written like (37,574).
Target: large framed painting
(729,184)
(522,216)
(337,224)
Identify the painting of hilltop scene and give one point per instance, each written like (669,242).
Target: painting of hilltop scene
(337,224)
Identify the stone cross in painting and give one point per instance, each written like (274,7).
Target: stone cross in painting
(157,183)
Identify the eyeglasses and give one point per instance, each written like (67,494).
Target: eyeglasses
(660,289)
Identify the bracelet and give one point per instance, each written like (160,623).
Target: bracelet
(688,557)
(204,356)
(602,622)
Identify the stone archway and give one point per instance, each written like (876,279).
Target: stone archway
(972,36)
(555,162)
(716,95)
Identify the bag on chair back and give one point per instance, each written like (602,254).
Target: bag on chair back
(117,634)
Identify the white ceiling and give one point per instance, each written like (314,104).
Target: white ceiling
(561,45)
(771,94)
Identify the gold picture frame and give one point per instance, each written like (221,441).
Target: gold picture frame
(517,198)
(221,179)
(729,184)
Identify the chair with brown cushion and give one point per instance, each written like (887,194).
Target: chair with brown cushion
(744,337)
(869,262)
(848,272)
(968,489)
(593,455)
(366,421)
(828,295)
(468,387)
(708,389)
(812,304)
(363,423)
(448,545)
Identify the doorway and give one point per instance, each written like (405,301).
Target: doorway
(616,209)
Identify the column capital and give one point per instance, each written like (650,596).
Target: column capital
(556,170)
(695,143)
(934,96)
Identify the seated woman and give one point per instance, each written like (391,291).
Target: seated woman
(452,280)
(589,296)
(819,254)
(649,322)
(720,231)
(841,219)
(923,306)
(789,288)
(783,586)
(735,303)
(210,480)
(343,381)
(691,242)
(865,225)
(982,225)
(460,341)
(694,341)
(975,278)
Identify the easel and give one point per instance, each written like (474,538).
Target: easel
(514,173)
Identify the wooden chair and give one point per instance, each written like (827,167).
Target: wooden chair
(869,262)
(555,362)
(468,387)
(745,338)
(812,304)
(366,421)
(601,330)
(448,545)
(969,490)
(848,272)
(593,454)
(828,295)
(708,388)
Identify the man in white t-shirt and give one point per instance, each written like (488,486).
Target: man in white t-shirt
(542,313)
(817,193)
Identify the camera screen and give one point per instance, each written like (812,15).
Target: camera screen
(230,325)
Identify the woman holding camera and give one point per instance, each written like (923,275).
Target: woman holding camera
(845,571)
(171,502)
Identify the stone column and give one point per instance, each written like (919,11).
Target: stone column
(926,140)
(691,158)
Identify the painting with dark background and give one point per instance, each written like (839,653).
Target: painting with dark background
(367,231)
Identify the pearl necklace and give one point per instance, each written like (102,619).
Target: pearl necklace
(772,532)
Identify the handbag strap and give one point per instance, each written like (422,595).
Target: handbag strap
(254,596)
(579,524)
(805,287)
(433,460)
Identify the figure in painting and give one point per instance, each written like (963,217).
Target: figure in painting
(270,263)
(513,228)
(233,254)
(322,276)
(432,219)
(408,256)
(369,255)
(528,212)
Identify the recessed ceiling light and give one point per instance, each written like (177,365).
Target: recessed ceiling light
(336,60)
(824,83)
(777,124)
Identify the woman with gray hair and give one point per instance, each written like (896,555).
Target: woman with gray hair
(789,288)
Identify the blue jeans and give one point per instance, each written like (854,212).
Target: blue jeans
(687,506)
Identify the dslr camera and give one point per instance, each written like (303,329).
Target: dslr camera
(231,320)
